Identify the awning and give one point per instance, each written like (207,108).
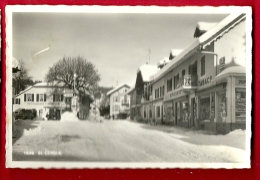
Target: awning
(231,71)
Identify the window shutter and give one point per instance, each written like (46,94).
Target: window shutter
(13,100)
(44,97)
(61,97)
(19,101)
(32,97)
(24,97)
(37,97)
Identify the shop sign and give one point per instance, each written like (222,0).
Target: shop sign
(173,94)
(222,64)
(68,95)
(205,81)
(240,82)
(35,103)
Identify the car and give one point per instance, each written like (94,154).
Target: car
(24,114)
(34,111)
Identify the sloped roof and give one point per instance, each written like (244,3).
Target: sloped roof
(117,88)
(130,90)
(147,70)
(185,53)
(163,62)
(231,71)
(221,28)
(203,27)
(213,34)
(42,84)
(174,53)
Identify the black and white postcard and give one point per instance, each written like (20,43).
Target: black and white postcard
(128,87)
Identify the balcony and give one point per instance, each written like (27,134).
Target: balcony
(187,82)
(125,103)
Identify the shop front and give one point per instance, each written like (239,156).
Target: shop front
(177,108)
(222,106)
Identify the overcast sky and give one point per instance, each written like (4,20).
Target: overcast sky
(116,43)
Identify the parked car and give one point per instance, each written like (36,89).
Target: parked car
(34,111)
(24,114)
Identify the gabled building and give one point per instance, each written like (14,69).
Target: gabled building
(203,82)
(119,101)
(202,86)
(50,100)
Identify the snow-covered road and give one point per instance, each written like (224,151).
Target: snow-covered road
(123,141)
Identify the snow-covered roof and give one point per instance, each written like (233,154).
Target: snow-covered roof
(203,27)
(147,70)
(177,60)
(163,62)
(221,28)
(231,71)
(204,40)
(174,53)
(117,88)
(42,84)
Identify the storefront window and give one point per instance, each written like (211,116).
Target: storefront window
(222,108)
(212,112)
(240,104)
(178,111)
(205,109)
(185,110)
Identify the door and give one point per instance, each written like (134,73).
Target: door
(193,112)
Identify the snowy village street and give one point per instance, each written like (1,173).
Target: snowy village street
(122,141)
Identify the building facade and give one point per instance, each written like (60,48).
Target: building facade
(204,86)
(119,101)
(50,101)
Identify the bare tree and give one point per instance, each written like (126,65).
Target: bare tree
(74,72)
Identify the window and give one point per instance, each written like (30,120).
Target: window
(183,72)
(144,112)
(176,81)
(28,97)
(17,101)
(41,97)
(57,97)
(163,91)
(116,99)
(202,61)
(158,111)
(116,108)
(169,85)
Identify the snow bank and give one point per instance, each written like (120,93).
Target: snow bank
(69,117)
(35,131)
(237,132)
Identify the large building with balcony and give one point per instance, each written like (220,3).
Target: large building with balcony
(204,85)
(119,101)
(51,101)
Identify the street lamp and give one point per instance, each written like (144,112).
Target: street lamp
(75,75)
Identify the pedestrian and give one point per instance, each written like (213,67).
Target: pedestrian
(113,116)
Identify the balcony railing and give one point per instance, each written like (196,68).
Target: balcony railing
(125,103)
(187,81)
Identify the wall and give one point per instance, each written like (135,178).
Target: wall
(38,105)
(158,102)
(120,93)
